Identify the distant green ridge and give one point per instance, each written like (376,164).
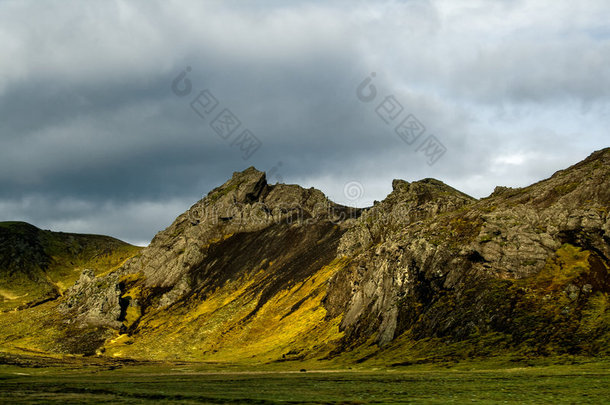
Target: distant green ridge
(37,265)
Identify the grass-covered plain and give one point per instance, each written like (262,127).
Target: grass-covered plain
(467,382)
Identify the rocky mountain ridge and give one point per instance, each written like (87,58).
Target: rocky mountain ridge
(257,272)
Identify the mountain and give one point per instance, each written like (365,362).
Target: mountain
(256,273)
(37,266)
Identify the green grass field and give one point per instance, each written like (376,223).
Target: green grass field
(188,383)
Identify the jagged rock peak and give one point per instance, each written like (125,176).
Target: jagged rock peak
(398,183)
(245,186)
(423,191)
(248,175)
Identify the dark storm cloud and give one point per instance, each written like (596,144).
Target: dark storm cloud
(94,140)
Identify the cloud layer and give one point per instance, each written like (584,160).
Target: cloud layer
(95,140)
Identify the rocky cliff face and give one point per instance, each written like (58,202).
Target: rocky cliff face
(217,270)
(258,272)
(461,268)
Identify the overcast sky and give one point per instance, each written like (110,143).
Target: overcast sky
(98,133)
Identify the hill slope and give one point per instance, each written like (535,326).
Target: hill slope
(259,273)
(37,265)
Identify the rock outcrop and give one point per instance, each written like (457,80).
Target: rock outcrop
(450,249)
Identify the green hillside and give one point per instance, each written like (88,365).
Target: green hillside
(38,265)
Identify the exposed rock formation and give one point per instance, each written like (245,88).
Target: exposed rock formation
(449,244)
(259,272)
(94,301)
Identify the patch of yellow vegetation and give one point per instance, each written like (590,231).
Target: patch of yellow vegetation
(569,263)
(292,324)
(133,284)
(224,296)
(65,269)
(597,314)
(133,293)
(120,263)
(8,295)
(220,239)
(32,329)
(131,278)
(132,314)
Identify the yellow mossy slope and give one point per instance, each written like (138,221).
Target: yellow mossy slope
(229,325)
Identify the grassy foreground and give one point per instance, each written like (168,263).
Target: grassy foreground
(109,382)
